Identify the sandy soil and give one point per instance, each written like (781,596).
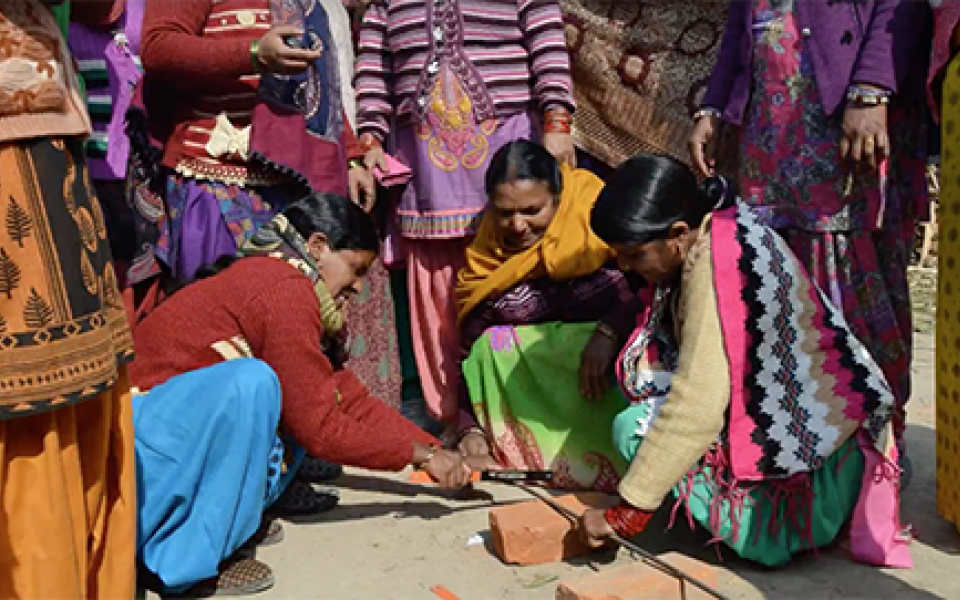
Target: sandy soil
(392,540)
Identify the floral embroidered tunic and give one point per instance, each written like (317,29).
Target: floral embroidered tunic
(454,80)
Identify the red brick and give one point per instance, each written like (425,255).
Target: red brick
(640,581)
(533,533)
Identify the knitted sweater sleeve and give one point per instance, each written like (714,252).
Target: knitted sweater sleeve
(691,418)
(174,50)
(330,413)
(542,24)
(374,73)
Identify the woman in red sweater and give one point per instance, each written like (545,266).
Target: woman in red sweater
(241,373)
(244,96)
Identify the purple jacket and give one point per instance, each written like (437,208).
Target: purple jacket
(879,42)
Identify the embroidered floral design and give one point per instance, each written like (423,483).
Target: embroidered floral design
(454,139)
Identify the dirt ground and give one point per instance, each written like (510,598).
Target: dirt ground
(392,540)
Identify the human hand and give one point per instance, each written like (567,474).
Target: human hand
(448,469)
(703,144)
(479,463)
(275,56)
(595,363)
(376,158)
(865,141)
(363,188)
(473,443)
(560,145)
(594,529)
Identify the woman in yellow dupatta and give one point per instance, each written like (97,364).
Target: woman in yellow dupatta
(541,315)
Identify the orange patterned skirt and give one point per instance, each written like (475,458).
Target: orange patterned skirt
(68,504)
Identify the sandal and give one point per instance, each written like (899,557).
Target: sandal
(301,500)
(237,577)
(317,470)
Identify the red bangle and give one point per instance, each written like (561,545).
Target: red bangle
(556,111)
(628,521)
(556,127)
(557,120)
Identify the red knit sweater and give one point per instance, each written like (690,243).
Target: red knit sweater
(273,308)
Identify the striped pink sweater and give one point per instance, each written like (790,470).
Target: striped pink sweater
(510,55)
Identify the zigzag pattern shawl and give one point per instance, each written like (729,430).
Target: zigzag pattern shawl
(801,383)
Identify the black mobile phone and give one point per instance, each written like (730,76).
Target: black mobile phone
(293,41)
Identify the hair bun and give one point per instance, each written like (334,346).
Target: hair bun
(720,192)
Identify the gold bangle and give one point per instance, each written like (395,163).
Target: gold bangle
(356,163)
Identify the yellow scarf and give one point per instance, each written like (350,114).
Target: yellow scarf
(568,248)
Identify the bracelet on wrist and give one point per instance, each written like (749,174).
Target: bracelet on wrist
(557,120)
(255,55)
(867,96)
(472,430)
(557,128)
(628,521)
(556,111)
(867,90)
(867,99)
(607,332)
(356,163)
(706,112)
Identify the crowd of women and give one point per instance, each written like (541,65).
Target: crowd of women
(356,234)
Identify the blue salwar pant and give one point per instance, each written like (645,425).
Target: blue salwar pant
(209,462)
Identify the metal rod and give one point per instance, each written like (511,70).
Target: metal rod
(643,554)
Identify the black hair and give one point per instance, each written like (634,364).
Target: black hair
(523,160)
(649,193)
(346,225)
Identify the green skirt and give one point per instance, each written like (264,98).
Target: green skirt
(766,527)
(524,388)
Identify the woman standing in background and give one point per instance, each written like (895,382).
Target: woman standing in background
(108,59)
(242,141)
(945,88)
(833,150)
(442,86)
(373,348)
(68,507)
